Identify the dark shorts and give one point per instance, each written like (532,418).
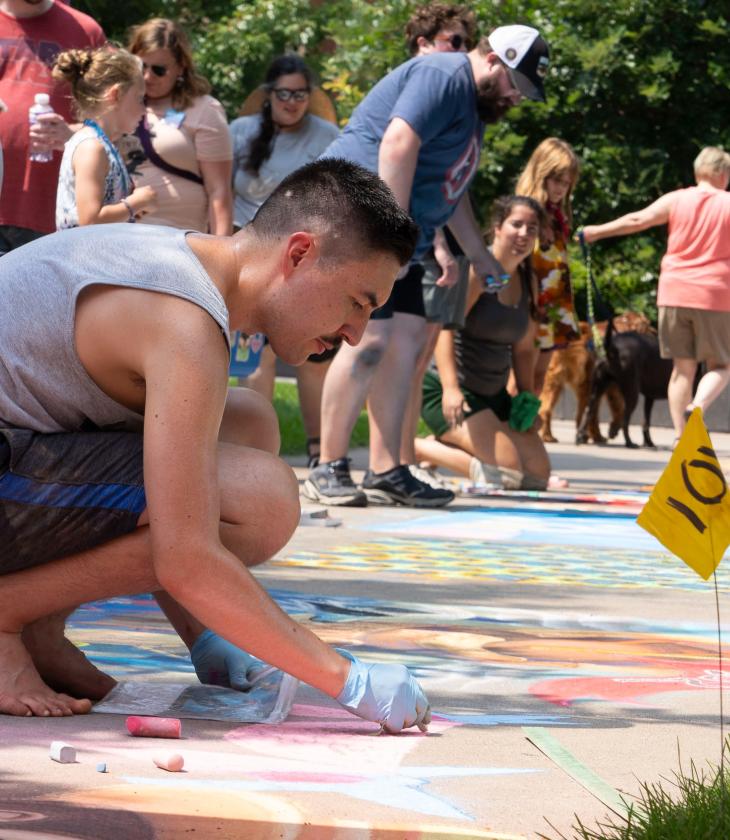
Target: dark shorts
(406,297)
(12,237)
(500,403)
(65,493)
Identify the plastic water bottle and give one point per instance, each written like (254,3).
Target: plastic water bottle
(42,106)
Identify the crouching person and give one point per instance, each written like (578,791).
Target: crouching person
(479,430)
(127,466)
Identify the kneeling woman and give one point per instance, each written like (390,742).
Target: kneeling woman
(479,430)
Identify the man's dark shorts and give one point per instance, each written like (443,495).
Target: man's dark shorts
(12,237)
(65,493)
(406,297)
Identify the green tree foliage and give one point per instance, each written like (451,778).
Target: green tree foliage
(637,86)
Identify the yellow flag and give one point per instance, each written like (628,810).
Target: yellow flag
(689,510)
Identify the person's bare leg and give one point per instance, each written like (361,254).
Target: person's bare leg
(712,384)
(490,440)
(415,398)
(120,567)
(310,383)
(679,392)
(346,386)
(61,665)
(263,379)
(390,389)
(442,455)
(124,566)
(248,420)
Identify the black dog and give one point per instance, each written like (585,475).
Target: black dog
(633,362)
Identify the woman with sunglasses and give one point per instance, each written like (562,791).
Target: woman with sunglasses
(267,146)
(183,139)
(279,139)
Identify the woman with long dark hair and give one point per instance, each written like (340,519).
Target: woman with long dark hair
(267,146)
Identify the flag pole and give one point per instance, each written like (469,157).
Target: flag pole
(719,658)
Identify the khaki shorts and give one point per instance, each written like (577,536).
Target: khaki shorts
(444,305)
(699,334)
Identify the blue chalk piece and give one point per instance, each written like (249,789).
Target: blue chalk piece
(101,767)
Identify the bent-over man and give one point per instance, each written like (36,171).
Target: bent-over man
(127,466)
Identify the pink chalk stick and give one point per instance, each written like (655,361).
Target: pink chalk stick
(172,762)
(153,727)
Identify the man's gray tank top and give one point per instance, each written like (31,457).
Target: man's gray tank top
(483,348)
(43,385)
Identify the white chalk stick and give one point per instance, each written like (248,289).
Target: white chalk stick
(62,753)
(172,762)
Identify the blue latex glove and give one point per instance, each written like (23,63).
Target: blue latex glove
(386,694)
(218,662)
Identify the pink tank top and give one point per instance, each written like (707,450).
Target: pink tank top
(695,270)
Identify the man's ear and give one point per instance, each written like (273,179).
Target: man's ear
(301,251)
(422,42)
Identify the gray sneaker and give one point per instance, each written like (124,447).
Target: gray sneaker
(330,484)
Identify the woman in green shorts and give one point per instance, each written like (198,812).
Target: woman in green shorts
(478,429)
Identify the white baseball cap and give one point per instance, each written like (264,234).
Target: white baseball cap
(526,55)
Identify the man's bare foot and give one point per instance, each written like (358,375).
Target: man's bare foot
(61,663)
(23,692)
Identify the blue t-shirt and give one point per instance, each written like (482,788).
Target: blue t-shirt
(436,96)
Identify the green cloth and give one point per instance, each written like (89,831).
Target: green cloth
(433,392)
(524,411)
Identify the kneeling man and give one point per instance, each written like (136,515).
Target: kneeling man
(127,466)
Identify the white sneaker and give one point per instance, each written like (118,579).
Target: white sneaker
(485,476)
(429,477)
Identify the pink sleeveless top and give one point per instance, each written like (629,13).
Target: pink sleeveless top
(695,270)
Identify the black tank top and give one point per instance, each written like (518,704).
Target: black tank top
(483,348)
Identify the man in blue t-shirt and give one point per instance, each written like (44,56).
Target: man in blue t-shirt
(421,129)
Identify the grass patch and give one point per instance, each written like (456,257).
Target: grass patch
(693,806)
(293,439)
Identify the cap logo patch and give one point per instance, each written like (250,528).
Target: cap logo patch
(510,54)
(542,66)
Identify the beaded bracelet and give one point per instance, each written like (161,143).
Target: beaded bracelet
(129,210)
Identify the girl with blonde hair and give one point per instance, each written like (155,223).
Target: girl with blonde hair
(94,185)
(550,178)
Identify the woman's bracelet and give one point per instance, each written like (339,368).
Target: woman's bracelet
(129,210)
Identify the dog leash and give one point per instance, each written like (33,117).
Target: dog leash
(590,286)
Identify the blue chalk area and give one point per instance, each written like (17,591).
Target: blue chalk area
(558,528)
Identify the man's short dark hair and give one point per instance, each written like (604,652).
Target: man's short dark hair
(352,205)
(427,21)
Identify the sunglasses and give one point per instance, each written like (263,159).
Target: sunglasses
(285,94)
(158,69)
(456,41)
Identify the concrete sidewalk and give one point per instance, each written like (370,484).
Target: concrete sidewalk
(519,619)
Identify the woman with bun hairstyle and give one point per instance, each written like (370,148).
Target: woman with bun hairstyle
(183,140)
(94,186)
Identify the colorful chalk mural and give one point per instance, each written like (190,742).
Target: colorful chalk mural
(321,774)
(448,559)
